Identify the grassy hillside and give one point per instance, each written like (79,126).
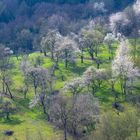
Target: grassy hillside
(31,124)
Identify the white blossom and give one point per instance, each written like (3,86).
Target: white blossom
(49,42)
(136,7)
(100,6)
(75,85)
(25,65)
(122,62)
(34,101)
(123,67)
(116,19)
(110,38)
(67,49)
(89,74)
(67,43)
(94,77)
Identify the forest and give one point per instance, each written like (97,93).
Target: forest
(69,69)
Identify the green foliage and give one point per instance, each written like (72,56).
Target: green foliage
(7,108)
(118,127)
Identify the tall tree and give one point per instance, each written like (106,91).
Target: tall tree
(109,40)
(94,78)
(123,67)
(48,43)
(67,50)
(5,66)
(73,118)
(93,39)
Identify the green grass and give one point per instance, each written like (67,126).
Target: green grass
(28,122)
(31,122)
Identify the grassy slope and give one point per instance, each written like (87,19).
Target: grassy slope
(29,122)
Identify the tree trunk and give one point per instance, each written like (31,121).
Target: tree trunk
(3,86)
(65,130)
(93,90)
(96,51)
(75,133)
(44,109)
(17,56)
(35,87)
(121,81)
(56,62)
(35,90)
(92,56)
(51,86)
(66,59)
(136,132)
(7,116)
(52,55)
(110,51)
(45,54)
(124,89)
(98,65)
(82,57)
(111,54)
(7,86)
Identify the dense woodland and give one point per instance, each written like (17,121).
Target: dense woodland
(69,70)
(29,20)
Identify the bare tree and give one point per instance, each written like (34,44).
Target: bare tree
(5,66)
(7,108)
(84,113)
(60,110)
(74,117)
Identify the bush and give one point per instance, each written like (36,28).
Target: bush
(7,108)
(117,127)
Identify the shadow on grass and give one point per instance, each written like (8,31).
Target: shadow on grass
(104,95)
(12,121)
(22,102)
(79,68)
